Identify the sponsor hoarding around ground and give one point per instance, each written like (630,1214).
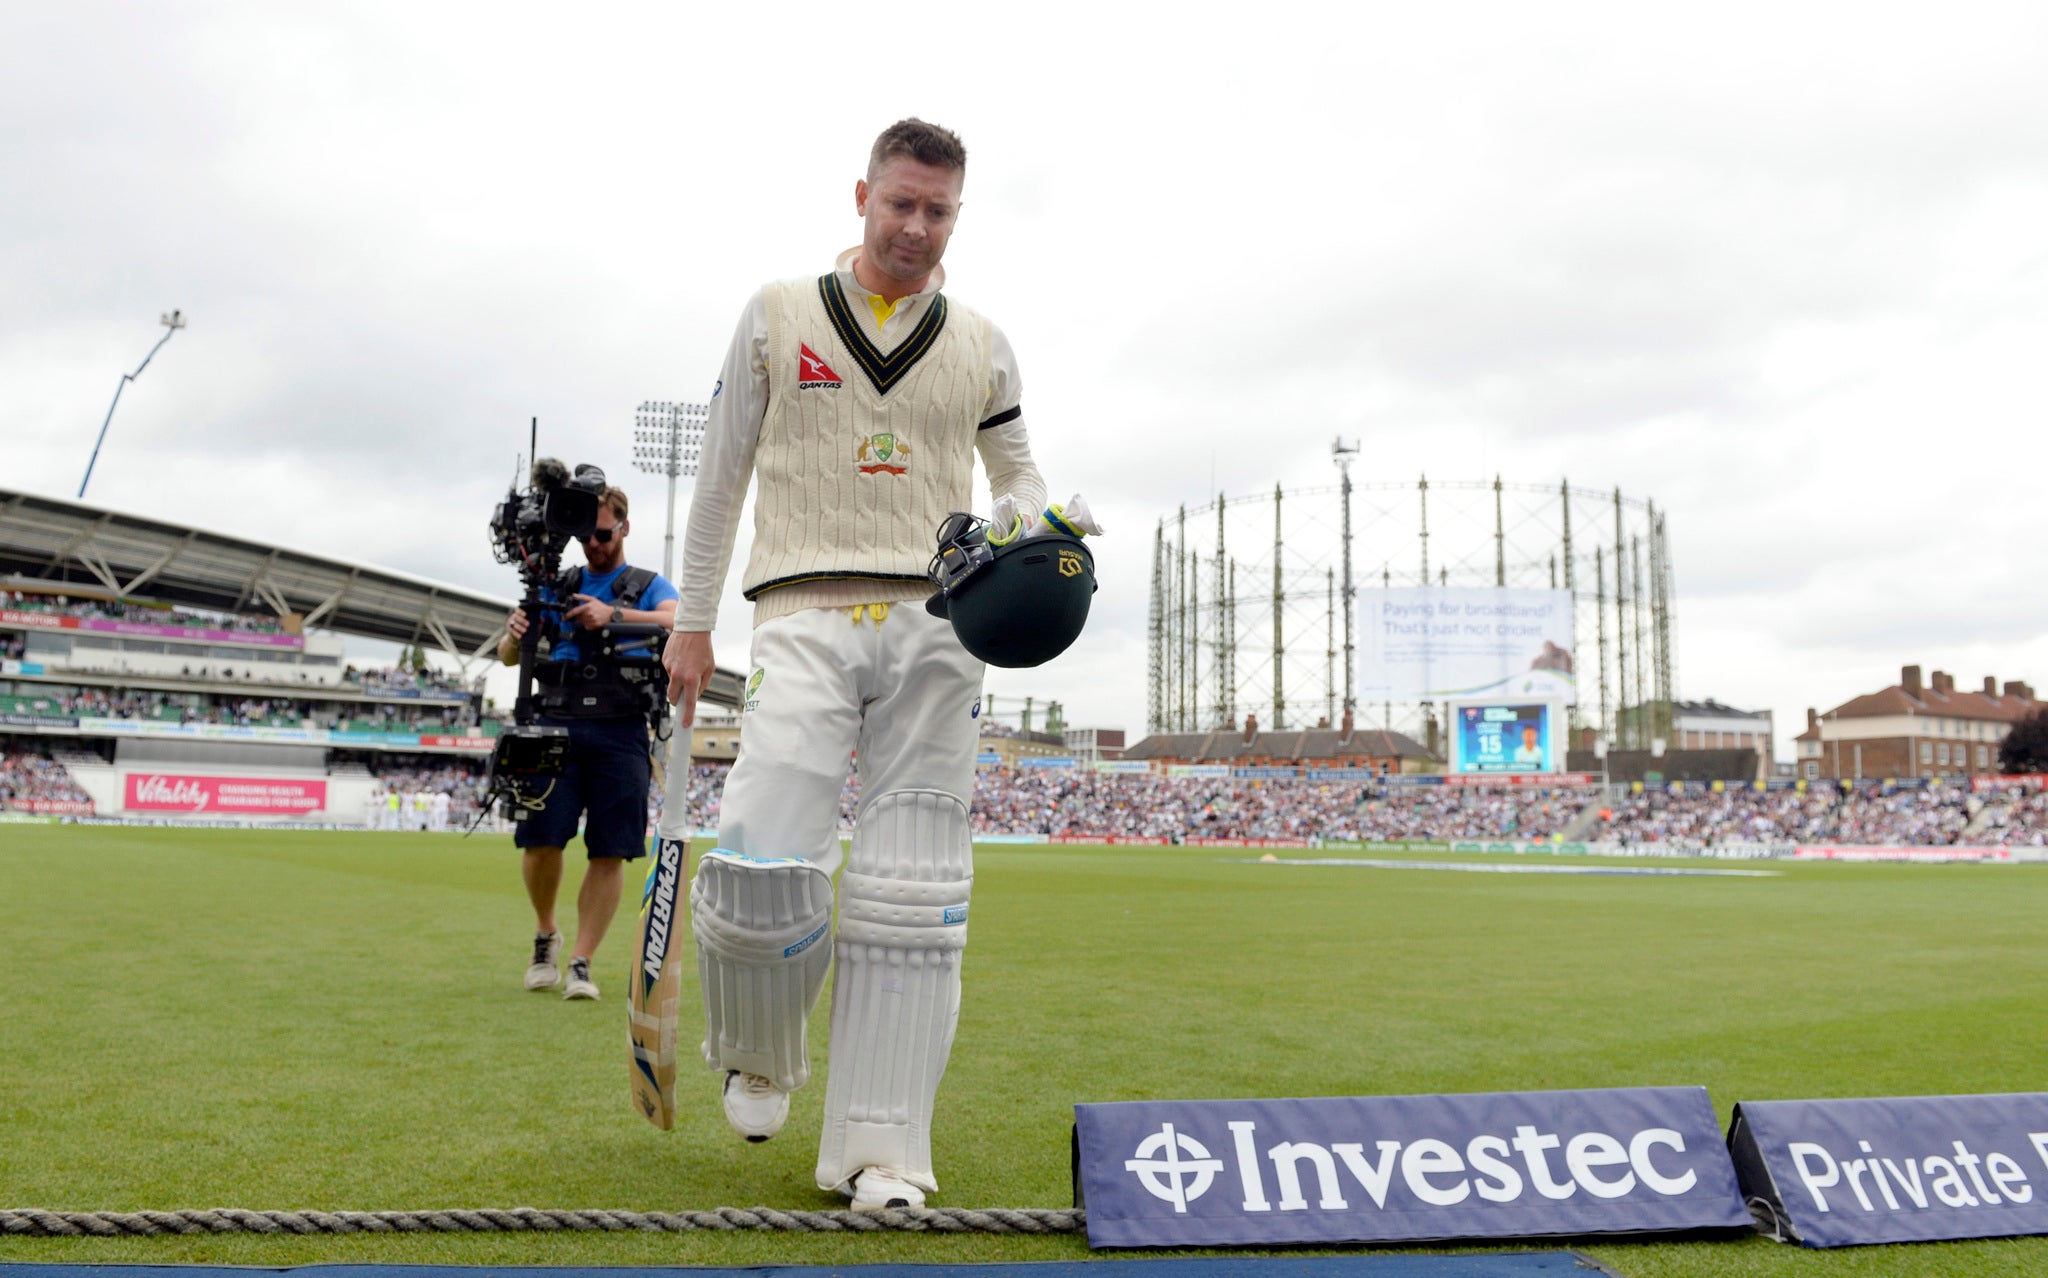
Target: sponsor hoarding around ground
(1429,643)
(1403,1168)
(51,807)
(228,796)
(1841,1173)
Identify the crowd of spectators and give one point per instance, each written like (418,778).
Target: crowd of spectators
(31,775)
(155,616)
(383,716)
(1143,805)
(185,707)
(1124,805)
(1936,816)
(12,645)
(403,679)
(2015,815)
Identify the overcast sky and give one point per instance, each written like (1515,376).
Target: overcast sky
(1782,269)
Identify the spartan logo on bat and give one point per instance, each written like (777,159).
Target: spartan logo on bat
(661,910)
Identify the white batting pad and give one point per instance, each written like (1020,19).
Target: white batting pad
(902,925)
(764,943)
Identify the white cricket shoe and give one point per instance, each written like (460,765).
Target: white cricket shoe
(755,1107)
(542,974)
(580,984)
(879,1189)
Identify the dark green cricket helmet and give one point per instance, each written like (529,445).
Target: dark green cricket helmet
(1017,604)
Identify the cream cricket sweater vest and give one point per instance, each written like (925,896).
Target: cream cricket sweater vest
(863,452)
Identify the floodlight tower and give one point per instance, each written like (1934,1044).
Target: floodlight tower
(172,323)
(667,440)
(1342,453)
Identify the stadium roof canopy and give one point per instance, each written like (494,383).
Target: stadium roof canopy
(50,541)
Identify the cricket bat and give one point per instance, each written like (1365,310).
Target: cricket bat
(657,977)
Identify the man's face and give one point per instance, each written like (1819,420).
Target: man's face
(605,555)
(910,207)
(1528,738)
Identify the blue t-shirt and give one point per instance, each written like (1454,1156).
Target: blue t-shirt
(599,587)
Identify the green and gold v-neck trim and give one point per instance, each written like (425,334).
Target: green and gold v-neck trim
(883,371)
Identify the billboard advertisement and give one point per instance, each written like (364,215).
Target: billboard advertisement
(1505,738)
(1433,643)
(230,796)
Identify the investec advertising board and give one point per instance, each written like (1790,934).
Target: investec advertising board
(1429,643)
(1403,1168)
(1842,1173)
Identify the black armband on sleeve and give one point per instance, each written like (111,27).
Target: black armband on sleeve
(1003,418)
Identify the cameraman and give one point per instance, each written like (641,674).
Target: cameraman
(607,776)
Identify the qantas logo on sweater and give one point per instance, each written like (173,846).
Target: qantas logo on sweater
(813,373)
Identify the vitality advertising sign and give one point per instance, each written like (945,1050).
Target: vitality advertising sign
(232,796)
(1403,1168)
(1839,1173)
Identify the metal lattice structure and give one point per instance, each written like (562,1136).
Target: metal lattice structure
(1295,564)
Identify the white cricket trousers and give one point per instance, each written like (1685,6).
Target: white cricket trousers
(900,695)
(894,688)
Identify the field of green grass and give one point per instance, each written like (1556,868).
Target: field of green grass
(203,1018)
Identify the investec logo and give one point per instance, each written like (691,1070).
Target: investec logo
(1176,1167)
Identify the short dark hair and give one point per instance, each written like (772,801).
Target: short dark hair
(926,143)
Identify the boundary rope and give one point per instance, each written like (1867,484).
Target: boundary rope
(35,1222)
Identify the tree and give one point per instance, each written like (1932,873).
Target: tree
(2025,748)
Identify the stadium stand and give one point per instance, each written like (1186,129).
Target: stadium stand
(1990,811)
(204,676)
(1345,746)
(1069,804)
(32,781)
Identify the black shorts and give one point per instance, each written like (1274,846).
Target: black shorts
(607,778)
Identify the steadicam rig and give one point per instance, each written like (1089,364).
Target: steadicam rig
(529,530)
(617,670)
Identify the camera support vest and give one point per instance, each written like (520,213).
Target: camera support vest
(594,689)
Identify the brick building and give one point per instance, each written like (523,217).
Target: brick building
(1382,751)
(1914,729)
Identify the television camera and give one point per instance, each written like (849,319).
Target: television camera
(620,663)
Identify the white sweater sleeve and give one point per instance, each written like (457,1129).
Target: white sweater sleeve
(1006,447)
(724,469)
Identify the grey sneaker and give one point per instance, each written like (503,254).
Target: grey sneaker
(879,1189)
(542,974)
(755,1106)
(580,984)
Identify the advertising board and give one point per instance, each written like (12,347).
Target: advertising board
(230,796)
(1427,644)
